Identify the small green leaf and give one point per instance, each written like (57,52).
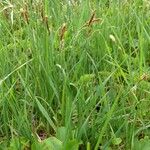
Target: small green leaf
(86,78)
(116,141)
(18,143)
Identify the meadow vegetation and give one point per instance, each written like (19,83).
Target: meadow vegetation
(74,74)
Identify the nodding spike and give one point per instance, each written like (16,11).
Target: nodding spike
(62,31)
(46,22)
(91,19)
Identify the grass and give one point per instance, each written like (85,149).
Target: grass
(74,75)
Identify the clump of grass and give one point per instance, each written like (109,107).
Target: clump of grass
(74,75)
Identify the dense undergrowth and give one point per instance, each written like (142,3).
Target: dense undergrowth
(74,74)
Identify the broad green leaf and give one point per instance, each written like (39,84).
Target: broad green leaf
(143,144)
(72,145)
(52,143)
(61,133)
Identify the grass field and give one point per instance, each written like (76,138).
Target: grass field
(75,74)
